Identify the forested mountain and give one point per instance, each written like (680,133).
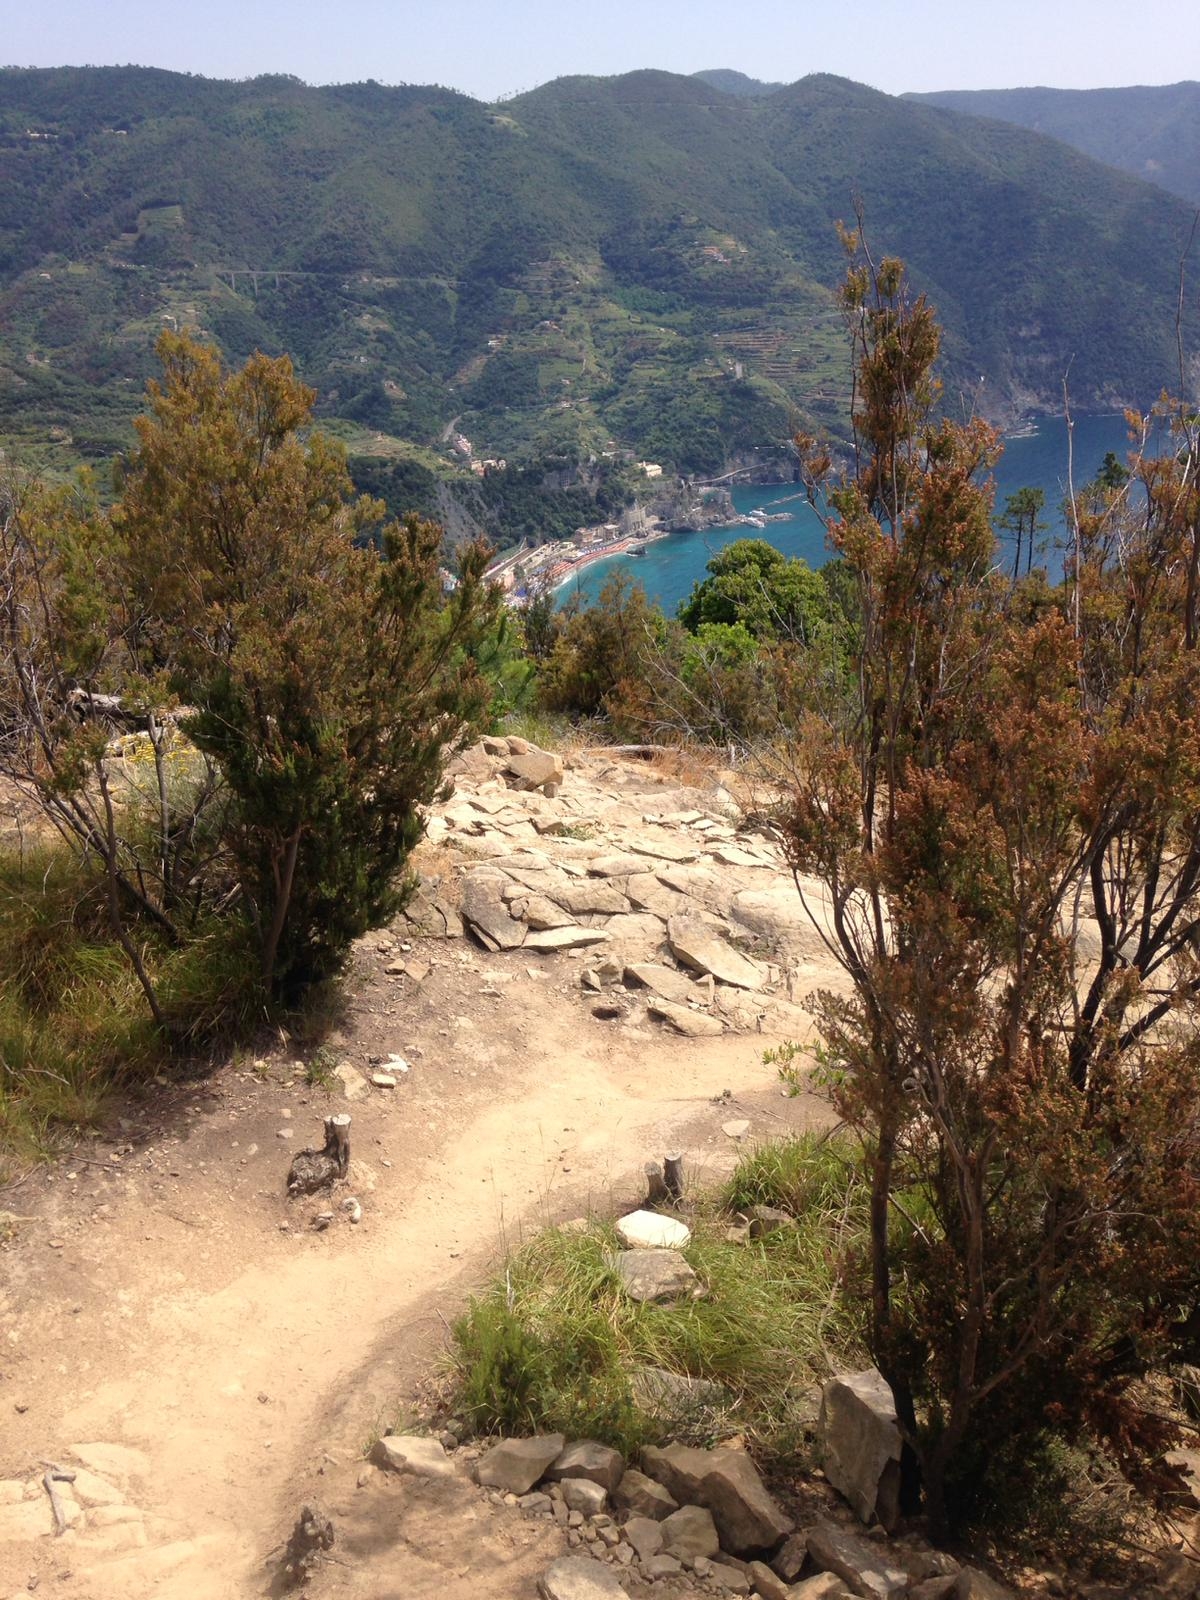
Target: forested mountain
(731,82)
(638,263)
(1153,132)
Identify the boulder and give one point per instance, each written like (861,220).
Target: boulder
(423,1458)
(661,1566)
(934,1589)
(765,1583)
(649,1230)
(643,1497)
(515,1465)
(656,1277)
(615,865)
(645,1535)
(692,1024)
(861,1565)
(585,1458)
(788,1561)
(768,1219)
(861,1445)
(484,911)
(727,1483)
(533,768)
(690,1532)
(581,1494)
(579,1578)
(696,944)
(648,894)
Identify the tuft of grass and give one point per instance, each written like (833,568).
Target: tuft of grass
(555,1344)
(74,1025)
(320,1067)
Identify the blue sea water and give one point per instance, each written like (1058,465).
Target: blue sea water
(670,567)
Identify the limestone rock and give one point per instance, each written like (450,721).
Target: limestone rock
(661,1566)
(584,899)
(768,1219)
(579,1578)
(533,768)
(862,1445)
(647,893)
(690,1532)
(119,1461)
(728,1484)
(515,1465)
(696,944)
(861,1565)
(732,1579)
(643,1497)
(484,911)
(942,1588)
(656,1277)
(665,982)
(354,1085)
(550,939)
(788,1561)
(645,1535)
(614,865)
(765,1583)
(581,1494)
(825,1586)
(692,1024)
(648,1230)
(738,1129)
(538,911)
(585,1458)
(423,1458)
(664,847)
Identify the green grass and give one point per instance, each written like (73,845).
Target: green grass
(74,1025)
(555,1344)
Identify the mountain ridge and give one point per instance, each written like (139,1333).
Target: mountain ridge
(642,265)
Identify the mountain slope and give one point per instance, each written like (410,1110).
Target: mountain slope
(637,264)
(1152,132)
(737,83)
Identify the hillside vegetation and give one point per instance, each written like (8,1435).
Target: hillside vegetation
(642,264)
(1151,131)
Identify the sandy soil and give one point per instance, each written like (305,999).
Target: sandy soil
(164,1296)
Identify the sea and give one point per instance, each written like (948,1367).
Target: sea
(1035,459)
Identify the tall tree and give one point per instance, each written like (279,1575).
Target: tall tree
(997,828)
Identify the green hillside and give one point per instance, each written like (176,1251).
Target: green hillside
(601,270)
(1152,132)
(731,82)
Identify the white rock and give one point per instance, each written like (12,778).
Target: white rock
(735,1130)
(423,1458)
(647,1230)
(383,1080)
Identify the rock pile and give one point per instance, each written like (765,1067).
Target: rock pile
(685,917)
(690,1522)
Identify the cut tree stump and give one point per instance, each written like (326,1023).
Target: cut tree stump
(673,1176)
(312,1170)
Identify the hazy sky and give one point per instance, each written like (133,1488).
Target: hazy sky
(490,49)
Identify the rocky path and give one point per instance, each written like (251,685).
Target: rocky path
(180,1337)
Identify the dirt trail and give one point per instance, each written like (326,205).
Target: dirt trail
(166,1298)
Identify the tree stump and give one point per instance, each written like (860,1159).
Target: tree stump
(312,1170)
(673,1176)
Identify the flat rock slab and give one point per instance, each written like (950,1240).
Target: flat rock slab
(656,1277)
(534,768)
(579,1578)
(587,1458)
(584,899)
(537,911)
(727,1483)
(975,1585)
(648,1230)
(515,1465)
(663,847)
(422,1458)
(565,938)
(645,1535)
(824,1586)
(692,1024)
(696,945)
(861,1445)
(582,1495)
(616,866)
(861,1565)
(483,909)
(672,1397)
(665,982)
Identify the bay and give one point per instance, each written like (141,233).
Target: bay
(670,567)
